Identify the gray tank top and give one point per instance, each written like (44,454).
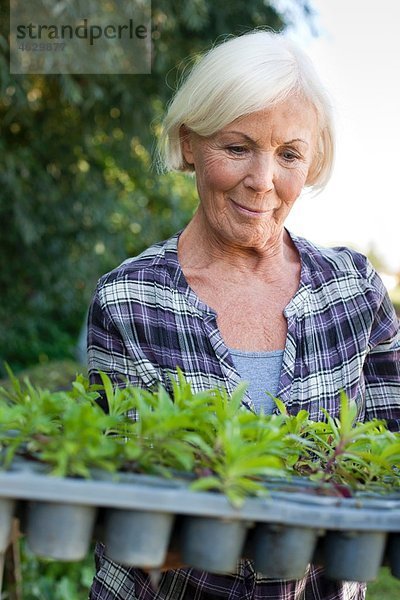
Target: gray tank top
(262,372)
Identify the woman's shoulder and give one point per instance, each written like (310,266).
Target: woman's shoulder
(335,260)
(158,256)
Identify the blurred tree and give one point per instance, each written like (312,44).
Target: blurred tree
(77,190)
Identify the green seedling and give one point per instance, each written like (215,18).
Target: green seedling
(208,436)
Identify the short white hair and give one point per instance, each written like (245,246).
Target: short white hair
(240,76)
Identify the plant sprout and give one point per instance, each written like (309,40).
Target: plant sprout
(209,437)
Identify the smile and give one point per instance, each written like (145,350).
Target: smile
(251,212)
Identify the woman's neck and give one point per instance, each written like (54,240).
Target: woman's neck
(200,248)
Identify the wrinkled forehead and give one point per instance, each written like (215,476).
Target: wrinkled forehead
(293,119)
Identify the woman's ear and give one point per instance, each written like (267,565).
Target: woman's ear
(185,138)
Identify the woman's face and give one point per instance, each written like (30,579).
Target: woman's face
(250,173)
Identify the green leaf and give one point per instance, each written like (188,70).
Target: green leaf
(205,483)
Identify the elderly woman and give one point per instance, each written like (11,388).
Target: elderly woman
(236,296)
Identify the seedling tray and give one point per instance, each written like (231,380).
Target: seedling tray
(147,512)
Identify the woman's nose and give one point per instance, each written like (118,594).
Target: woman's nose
(260,176)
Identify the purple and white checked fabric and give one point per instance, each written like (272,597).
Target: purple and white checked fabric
(343,333)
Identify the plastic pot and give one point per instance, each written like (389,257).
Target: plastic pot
(6,515)
(353,555)
(212,544)
(60,531)
(393,554)
(137,538)
(283,552)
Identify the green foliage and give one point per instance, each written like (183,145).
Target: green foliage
(54,375)
(226,458)
(346,452)
(77,190)
(65,430)
(386,587)
(208,435)
(241,450)
(46,579)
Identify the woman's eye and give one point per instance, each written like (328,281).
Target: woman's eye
(237,150)
(289,156)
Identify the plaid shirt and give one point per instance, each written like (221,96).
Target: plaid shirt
(342,334)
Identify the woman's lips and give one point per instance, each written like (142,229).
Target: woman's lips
(251,212)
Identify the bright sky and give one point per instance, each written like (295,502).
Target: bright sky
(358,56)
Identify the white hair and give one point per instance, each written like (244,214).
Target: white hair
(240,76)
